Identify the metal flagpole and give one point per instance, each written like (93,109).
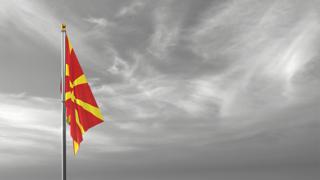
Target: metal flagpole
(63,70)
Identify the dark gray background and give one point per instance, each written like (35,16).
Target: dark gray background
(191,90)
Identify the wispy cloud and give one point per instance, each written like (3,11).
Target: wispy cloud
(256,56)
(220,84)
(100,22)
(32,126)
(165,34)
(32,18)
(28,123)
(130,9)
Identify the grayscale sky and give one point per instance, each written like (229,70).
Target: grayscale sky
(190,89)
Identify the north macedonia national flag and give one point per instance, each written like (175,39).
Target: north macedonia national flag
(82,110)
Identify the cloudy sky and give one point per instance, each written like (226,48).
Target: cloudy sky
(190,89)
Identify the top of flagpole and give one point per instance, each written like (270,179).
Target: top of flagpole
(63,27)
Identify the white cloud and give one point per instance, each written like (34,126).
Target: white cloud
(131,9)
(39,22)
(165,34)
(31,127)
(119,67)
(28,124)
(242,102)
(32,18)
(294,54)
(264,53)
(100,22)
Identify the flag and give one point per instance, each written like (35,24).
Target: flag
(82,111)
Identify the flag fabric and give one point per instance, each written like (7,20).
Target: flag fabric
(82,111)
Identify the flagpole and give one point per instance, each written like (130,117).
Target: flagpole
(63,70)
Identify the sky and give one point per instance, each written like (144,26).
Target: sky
(189,90)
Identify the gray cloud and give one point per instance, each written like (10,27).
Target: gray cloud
(189,89)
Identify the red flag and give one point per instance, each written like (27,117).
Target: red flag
(82,110)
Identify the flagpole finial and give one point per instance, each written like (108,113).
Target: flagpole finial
(63,27)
